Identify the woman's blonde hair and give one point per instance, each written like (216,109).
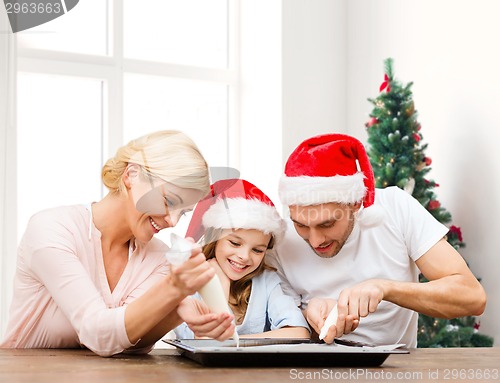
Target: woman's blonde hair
(239,291)
(167,154)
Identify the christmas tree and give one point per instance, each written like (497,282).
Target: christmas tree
(397,155)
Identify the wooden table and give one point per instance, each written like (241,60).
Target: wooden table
(165,365)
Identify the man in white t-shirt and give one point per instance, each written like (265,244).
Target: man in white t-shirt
(362,248)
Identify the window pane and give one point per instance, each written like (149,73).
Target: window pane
(84,29)
(189,32)
(59,142)
(197,108)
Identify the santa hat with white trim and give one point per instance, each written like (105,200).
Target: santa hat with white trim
(331,168)
(236,204)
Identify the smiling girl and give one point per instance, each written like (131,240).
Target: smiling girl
(239,225)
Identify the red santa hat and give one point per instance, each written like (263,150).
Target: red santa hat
(330,168)
(236,204)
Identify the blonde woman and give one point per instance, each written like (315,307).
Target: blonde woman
(94,275)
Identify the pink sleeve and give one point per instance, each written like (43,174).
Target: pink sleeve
(99,328)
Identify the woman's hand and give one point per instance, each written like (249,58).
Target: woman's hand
(204,323)
(193,274)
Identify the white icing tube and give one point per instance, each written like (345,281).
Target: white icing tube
(212,293)
(330,320)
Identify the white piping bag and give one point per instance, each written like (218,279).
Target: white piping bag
(330,320)
(212,293)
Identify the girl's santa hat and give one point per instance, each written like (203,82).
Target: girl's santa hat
(331,168)
(236,204)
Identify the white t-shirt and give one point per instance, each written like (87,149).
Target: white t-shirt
(386,251)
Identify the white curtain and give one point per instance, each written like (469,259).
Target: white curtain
(8,222)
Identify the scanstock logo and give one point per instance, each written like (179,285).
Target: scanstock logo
(26,14)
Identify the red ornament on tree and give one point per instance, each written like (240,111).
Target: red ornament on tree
(427,182)
(371,122)
(385,84)
(434,204)
(428,161)
(416,137)
(476,326)
(457,231)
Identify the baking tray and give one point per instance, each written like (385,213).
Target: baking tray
(281,352)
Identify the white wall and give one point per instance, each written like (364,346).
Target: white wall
(333,53)
(450,50)
(314,69)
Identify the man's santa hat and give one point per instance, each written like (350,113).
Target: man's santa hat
(331,168)
(236,204)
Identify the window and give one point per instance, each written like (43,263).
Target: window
(197,108)
(59,142)
(111,70)
(81,85)
(187,32)
(84,29)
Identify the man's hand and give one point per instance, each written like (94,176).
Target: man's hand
(317,312)
(204,323)
(361,299)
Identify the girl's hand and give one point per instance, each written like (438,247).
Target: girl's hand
(193,274)
(204,323)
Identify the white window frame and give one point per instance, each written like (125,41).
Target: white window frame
(112,68)
(8,168)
